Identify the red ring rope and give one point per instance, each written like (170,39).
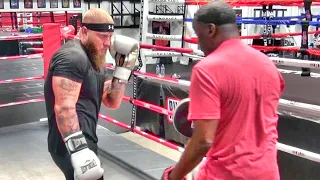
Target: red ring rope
(20,79)
(31,36)
(163,48)
(268,48)
(149,106)
(279,35)
(291,150)
(282,147)
(256,2)
(265,48)
(31,56)
(21,102)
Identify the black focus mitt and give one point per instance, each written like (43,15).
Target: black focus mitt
(180,118)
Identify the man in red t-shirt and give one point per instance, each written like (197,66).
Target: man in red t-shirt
(234,98)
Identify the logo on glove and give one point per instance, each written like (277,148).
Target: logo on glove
(89,166)
(78,142)
(171,106)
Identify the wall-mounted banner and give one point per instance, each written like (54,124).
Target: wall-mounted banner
(41,4)
(14,4)
(1,4)
(77,3)
(54,4)
(28,4)
(65,3)
(161,28)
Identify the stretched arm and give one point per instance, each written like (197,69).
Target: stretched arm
(204,93)
(66,93)
(113,93)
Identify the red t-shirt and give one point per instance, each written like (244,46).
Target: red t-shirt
(240,87)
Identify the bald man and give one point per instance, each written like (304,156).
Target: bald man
(77,84)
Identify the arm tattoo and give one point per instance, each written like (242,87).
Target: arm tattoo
(65,109)
(64,96)
(68,85)
(67,121)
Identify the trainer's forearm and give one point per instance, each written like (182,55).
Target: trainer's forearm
(115,95)
(67,120)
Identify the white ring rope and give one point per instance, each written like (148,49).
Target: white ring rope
(165,18)
(299,152)
(168,1)
(287,71)
(169,54)
(186,84)
(164,37)
(296,62)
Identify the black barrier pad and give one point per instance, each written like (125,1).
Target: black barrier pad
(296,168)
(299,133)
(9,48)
(147,119)
(302,134)
(301,89)
(170,96)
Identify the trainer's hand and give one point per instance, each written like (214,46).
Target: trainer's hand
(166,173)
(125,52)
(85,162)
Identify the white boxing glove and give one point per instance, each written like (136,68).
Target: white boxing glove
(125,51)
(85,162)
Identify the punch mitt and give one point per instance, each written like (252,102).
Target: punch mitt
(180,118)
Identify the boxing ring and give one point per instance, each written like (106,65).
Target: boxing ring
(25,125)
(296,112)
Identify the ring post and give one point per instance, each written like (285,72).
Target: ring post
(304,36)
(51,43)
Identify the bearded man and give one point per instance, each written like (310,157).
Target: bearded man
(76,86)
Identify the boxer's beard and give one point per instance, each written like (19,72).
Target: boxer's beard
(98,60)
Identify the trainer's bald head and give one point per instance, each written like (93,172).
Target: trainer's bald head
(97,16)
(215,23)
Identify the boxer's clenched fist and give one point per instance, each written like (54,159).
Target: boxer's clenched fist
(125,51)
(85,162)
